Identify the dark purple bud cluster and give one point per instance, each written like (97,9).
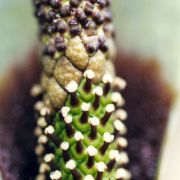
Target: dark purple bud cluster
(57,18)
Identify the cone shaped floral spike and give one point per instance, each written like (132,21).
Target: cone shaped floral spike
(80,120)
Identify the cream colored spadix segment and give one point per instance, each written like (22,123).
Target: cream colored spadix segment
(39,149)
(43,168)
(65,110)
(122,142)
(64,145)
(108,137)
(89,177)
(110,108)
(56,93)
(117,98)
(122,173)
(38,106)
(120,83)
(85,106)
(38,131)
(89,74)
(71,164)
(36,90)
(78,136)
(65,72)
(109,68)
(48,65)
(44,79)
(120,127)
(44,111)
(113,154)
(41,122)
(121,114)
(101,166)
(94,121)
(68,119)
(76,53)
(42,139)
(49,130)
(91,151)
(122,158)
(55,175)
(97,64)
(72,86)
(107,78)
(98,90)
(48,158)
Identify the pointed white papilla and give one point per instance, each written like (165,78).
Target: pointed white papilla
(85,106)
(110,108)
(72,87)
(98,90)
(71,164)
(122,142)
(120,83)
(121,114)
(122,173)
(65,110)
(108,137)
(42,139)
(68,119)
(64,145)
(41,122)
(107,78)
(89,74)
(49,130)
(119,126)
(89,177)
(55,175)
(48,158)
(78,136)
(94,121)
(101,166)
(113,154)
(117,98)
(91,151)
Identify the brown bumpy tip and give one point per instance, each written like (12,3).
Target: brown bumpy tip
(91,151)
(85,112)
(108,138)
(79,137)
(50,132)
(71,165)
(94,122)
(98,93)
(72,88)
(101,167)
(65,148)
(109,109)
(69,128)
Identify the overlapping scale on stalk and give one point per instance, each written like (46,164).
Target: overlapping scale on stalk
(80,124)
